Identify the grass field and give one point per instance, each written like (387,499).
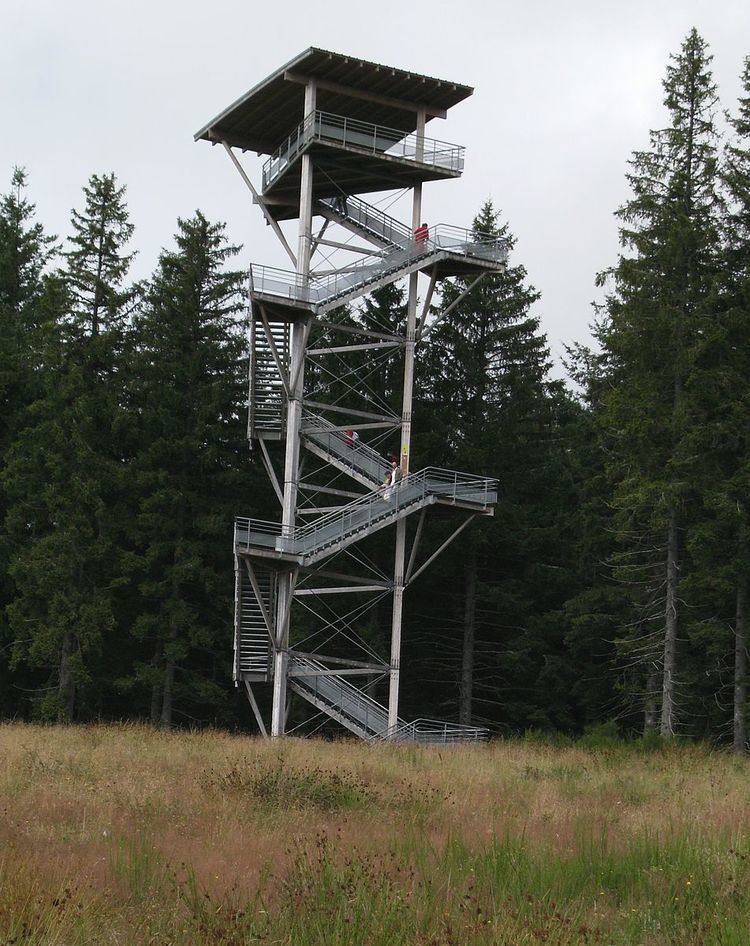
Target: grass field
(120,835)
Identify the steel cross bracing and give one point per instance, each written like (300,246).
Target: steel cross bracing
(320,169)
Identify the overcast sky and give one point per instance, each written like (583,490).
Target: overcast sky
(565,91)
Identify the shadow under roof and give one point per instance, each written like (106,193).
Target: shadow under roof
(262,118)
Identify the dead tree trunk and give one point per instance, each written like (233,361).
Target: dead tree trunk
(650,706)
(667,724)
(165,721)
(740,668)
(156,696)
(67,684)
(467,657)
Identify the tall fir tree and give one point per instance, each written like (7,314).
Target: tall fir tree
(65,470)
(25,297)
(492,409)
(191,471)
(720,390)
(657,311)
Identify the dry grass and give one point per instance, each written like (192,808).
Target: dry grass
(118,834)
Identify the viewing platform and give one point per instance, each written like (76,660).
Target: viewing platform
(354,157)
(316,540)
(452,251)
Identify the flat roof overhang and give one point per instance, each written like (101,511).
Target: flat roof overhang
(367,91)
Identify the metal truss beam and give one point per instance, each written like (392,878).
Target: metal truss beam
(340,672)
(367,346)
(452,306)
(346,493)
(352,92)
(341,590)
(256,710)
(366,415)
(261,203)
(256,588)
(441,548)
(274,351)
(316,239)
(415,545)
(352,330)
(366,250)
(342,576)
(271,472)
(343,661)
(427,301)
(305,339)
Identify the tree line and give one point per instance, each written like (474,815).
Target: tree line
(612,583)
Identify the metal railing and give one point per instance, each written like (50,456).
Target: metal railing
(364,136)
(434,732)
(370,219)
(352,453)
(374,509)
(322,290)
(342,697)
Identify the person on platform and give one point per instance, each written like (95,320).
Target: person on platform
(392,479)
(421,236)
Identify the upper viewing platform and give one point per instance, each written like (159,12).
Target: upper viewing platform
(362,128)
(356,157)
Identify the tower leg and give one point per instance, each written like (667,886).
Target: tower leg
(294,420)
(400,554)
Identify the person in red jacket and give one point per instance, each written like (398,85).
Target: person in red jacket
(421,235)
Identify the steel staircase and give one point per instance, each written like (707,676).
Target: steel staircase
(267,413)
(322,537)
(350,456)
(338,698)
(368,221)
(252,643)
(322,293)
(361,714)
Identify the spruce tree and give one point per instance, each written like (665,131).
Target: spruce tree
(491,409)
(25,251)
(191,471)
(720,439)
(658,309)
(65,470)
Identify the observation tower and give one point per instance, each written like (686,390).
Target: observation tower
(334,128)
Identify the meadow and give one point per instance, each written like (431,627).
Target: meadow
(123,835)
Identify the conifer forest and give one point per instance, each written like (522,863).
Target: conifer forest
(611,586)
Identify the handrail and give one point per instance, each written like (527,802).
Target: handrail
(432,731)
(373,507)
(431,479)
(318,290)
(371,711)
(365,136)
(313,424)
(371,218)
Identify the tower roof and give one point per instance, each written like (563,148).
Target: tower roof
(366,91)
